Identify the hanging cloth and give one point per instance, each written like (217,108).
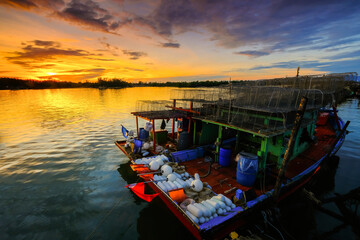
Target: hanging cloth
(163,124)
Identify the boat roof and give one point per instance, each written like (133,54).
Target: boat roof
(163,114)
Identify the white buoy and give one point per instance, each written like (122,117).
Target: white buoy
(211,208)
(195,219)
(225,199)
(213,203)
(167,185)
(177,175)
(222,204)
(194,210)
(166,170)
(154,165)
(162,186)
(146,146)
(206,212)
(183,184)
(171,177)
(197,185)
(173,186)
(178,185)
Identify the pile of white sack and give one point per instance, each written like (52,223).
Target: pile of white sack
(169,179)
(206,210)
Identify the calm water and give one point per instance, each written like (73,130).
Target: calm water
(61,174)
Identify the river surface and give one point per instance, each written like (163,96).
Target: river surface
(62,177)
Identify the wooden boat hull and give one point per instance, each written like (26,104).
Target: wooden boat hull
(240,216)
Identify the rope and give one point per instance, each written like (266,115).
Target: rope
(266,220)
(209,171)
(103,219)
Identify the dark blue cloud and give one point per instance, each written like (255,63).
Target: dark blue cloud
(170,45)
(349,54)
(134,55)
(278,24)
(326,66)
(290,65)
(259,26)
(252,53)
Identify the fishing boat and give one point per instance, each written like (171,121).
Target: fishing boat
(236,149)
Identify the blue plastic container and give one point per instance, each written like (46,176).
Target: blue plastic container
(247,168)
(239,194)
(200,152)
(225,156)
(143,134)
(137,146)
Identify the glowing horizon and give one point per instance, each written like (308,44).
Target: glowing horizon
(183,40)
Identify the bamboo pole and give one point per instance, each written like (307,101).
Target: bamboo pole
(137,126)
(289,150)
(153,130)
(173,122)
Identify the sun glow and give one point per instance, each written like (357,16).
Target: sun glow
(51,73)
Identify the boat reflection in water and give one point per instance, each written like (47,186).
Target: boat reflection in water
(155,220)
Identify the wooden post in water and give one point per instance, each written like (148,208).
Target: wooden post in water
(173,121)
(137,126)
(153,131)
(288,152)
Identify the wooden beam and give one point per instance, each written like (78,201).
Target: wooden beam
(137,126)
(183,109)
(289,150)
(153,130)
(173,122)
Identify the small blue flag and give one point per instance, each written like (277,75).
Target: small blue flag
(125,132)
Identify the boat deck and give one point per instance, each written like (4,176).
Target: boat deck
(223,179)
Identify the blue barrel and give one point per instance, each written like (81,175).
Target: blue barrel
(225,156)
(143,134)
(247,168)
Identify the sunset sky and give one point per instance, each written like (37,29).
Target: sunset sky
(180,40)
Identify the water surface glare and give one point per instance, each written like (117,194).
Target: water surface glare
(60,172)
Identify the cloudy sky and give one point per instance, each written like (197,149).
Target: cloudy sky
(177,40)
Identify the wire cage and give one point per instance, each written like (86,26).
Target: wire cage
(329,83)
(263,106)
(260,109)
(150,105)
(195,95)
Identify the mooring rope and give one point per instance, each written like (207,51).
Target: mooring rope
(103,219)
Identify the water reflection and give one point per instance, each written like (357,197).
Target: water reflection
(58,167)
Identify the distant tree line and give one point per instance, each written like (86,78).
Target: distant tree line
(103,83)
(16,83)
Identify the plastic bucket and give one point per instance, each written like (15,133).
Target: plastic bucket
(143,134)
(225,156)
(247,168)
(137,146)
